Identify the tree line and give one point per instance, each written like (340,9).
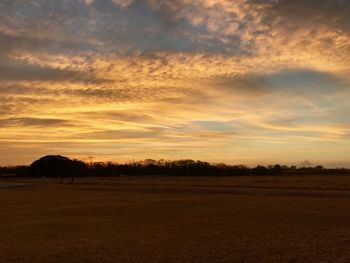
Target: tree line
(60,166)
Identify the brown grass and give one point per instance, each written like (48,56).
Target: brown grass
(167,219)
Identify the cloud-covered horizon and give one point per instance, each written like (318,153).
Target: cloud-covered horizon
(247,81)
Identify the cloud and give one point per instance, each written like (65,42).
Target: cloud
(14,43)
(244,85)
(121,25)
(312,29)
(305,81)
(12,69)
(120,135)
(13,105)
(123,116)
(313,13)
(123,3)
(177,78)
(19,71)
(318,87)
(27,122)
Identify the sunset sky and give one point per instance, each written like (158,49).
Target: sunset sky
(236,81)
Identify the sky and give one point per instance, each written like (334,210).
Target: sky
(241,82)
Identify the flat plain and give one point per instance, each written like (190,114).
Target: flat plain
(176,219)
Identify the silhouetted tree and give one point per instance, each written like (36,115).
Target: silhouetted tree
(57,165)
(260,170)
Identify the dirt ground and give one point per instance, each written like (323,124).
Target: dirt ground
(176,219)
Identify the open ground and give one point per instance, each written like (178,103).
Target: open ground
(176,219)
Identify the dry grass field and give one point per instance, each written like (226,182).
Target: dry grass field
(176,219)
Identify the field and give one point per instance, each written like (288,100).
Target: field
(176,219)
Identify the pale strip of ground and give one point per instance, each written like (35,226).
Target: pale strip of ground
(176,219)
